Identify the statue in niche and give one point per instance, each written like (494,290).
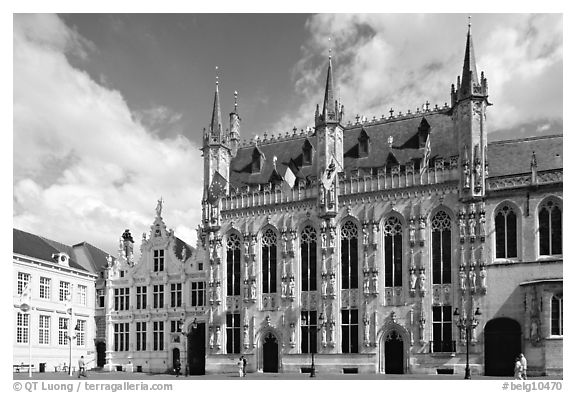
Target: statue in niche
(292,335)
(367,331)
(246,339)
(462,275)
(331,197)
(472,225)
(291,287)
(478,175)
(332,284)
(462,224)
(217,337)
(472,278)
(412,231)
(332,240)
(324,287)
(483,276)
(482,226)
(466,173)
(284,291)
(365,234)
(323,240)
(535,330)
(211,338)
(375,282)
(322,195)
(253,245)
(413,279)
(374,232)
(218,295)
(285,242)
(323,334)
(246,248)
(366,286)
(422,282)
(331,327)
(253,289)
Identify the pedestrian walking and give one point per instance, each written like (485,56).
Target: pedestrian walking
(240,367)
(82,368)
(524,364)
(244,363)
(177,367)
(517,368)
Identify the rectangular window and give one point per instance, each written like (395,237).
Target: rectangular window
(43,329)
(64,293)
(140,336)
(22,328)
(442,329)
(173,326)
(176,295)
(141,298)
(121,336)
(158,295)
(233,333)
(80,332)
(350,331)
(100,297)
(158,335)
(158,260)
(198,293)
(557,316)
(121,299)
(309,326)
(45,284)
(23,280)
(81,293)
(62,331)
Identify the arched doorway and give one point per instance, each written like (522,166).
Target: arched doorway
(502,343)
(393,353)
(197,349)
(100,354)
(175,357)
(270,354)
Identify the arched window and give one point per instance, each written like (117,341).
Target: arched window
(308,258)
(505,222)
(441,248)
(393,252)
(349,251)
(233,265)
(269,240)
(557,316)
(550,221)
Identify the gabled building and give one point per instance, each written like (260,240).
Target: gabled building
(152,300)
(52,279)
(379,244)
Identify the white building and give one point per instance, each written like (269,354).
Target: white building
(61,295)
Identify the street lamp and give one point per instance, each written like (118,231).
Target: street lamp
(467,323)
(25,308)
(70,338)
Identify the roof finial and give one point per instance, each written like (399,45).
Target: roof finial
(469,23)
(216,77)
(235,99)
(329,47)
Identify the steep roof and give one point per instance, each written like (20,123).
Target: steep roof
(181,244)
(83,256)
(514,156)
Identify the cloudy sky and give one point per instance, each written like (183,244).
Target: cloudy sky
(109,108)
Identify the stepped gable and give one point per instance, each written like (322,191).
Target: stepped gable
(34,246)
(404,132)
(514,156)
(284,150)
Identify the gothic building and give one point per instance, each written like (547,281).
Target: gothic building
(382,245)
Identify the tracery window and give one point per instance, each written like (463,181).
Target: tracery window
(557,316)
(308,258)
(505,222)
(392,252)
(233,265)
(550,221)
(350,331)
(441,248)
(269,242)
(349,255)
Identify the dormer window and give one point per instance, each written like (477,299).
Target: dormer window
(61,258)
(423,131)
(257,160)
(307,153)
(363,144)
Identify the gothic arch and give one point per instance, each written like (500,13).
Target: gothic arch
(260,340)
(445,209)
(388,327)
(517,210)
(548,202)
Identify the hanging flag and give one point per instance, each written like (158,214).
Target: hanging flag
(26,293)
(217,188)
(426,159)
(329,174)
(289,177)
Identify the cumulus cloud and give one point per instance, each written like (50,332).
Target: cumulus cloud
(84,167)
(402,60)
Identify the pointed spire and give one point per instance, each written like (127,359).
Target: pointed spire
(216,123)
(329,109)
(469,73)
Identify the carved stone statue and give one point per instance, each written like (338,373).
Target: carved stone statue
(324,287)
(466,173)
(412,231)
(332,284)
(253,289)
(365,234)
(284,242)
(292,335)
(217,337)
(366,286)
(323,335)
(534,330)
(422,282)
(374,232)
(159,208)
(462,225)
(323,240)
(413,279)
(472,225)
(211,338)
(332,240)
(482,226)
(367,331)
(291,288)
(472,278)
(462,275)
(246,338)
(284,290)
(483,277)
(374,282)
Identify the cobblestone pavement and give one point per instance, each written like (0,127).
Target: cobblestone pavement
(100,375)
